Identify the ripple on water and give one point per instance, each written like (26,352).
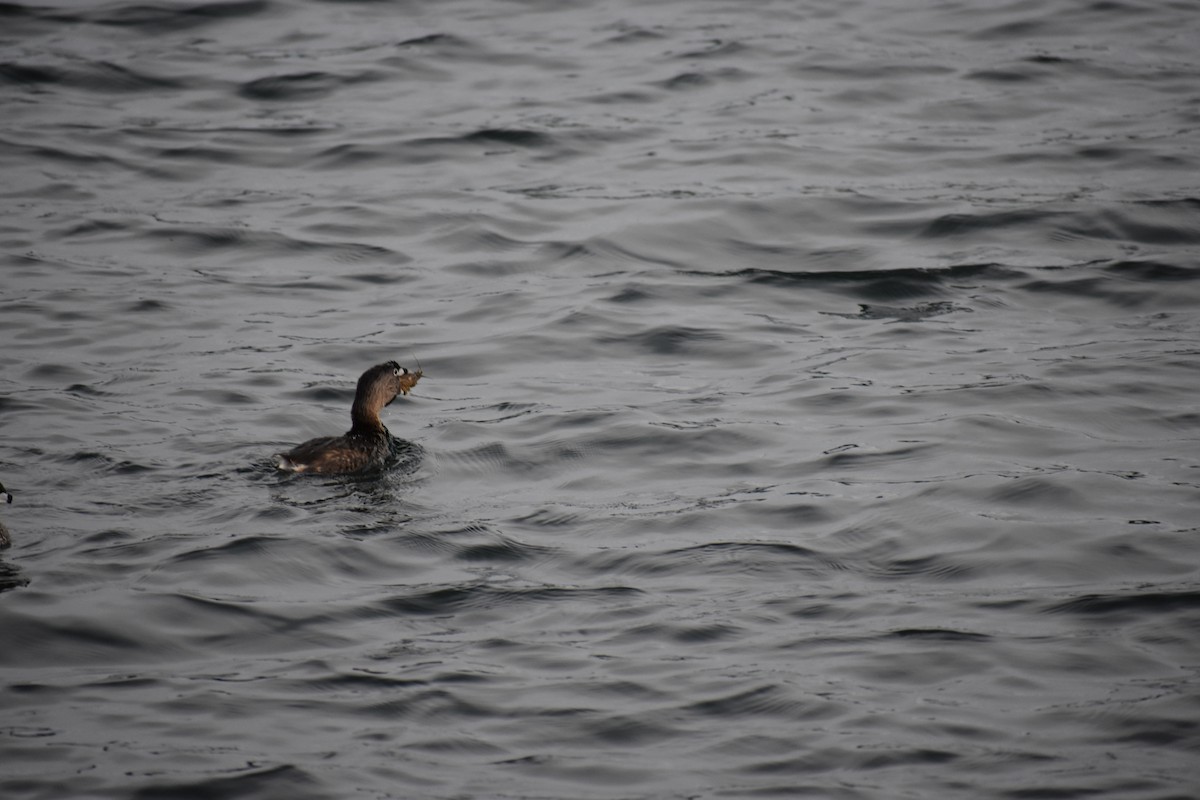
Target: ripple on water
(485,598)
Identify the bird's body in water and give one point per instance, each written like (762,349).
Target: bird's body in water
(368,444)
(5,497)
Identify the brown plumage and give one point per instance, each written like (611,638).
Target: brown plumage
(367,444)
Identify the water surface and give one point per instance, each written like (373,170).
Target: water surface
(810,399)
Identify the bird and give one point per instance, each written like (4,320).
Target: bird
(5,538)
(368,443)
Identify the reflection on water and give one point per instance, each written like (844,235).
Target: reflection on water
(810,403)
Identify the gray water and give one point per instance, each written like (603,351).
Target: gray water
(810,399)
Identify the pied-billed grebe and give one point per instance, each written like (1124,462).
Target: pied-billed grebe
(5,497)
(367,444)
